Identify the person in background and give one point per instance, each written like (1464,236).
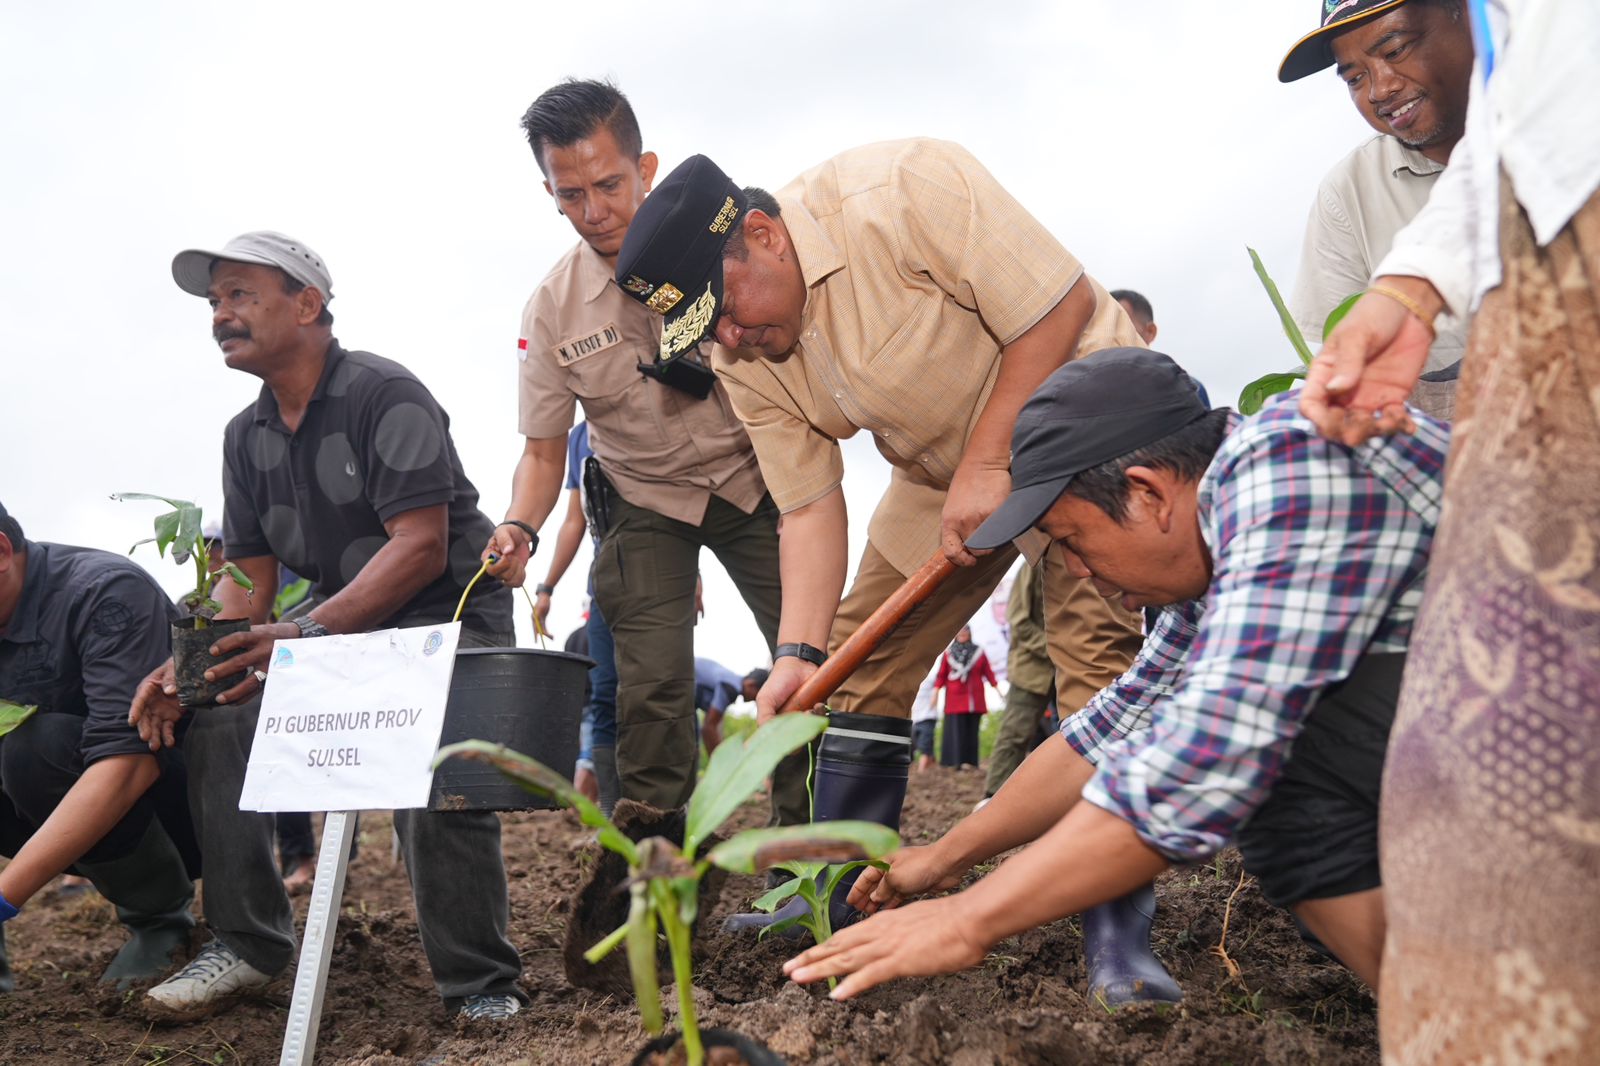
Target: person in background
(963,671)
(1490,812)
(1030,678)
(715,689)
(599,729)
(1407,66)
(924,722)
(79,629)
(583,775)
(1139,310)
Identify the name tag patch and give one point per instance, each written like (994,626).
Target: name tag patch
(570,351)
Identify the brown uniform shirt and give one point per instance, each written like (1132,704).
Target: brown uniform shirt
(919,268)
(583,340)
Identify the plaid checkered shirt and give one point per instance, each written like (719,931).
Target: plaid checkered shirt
(1319,553)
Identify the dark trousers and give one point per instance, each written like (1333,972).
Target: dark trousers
(960,744)
(42,759)
(1019,725)
(644,580)
(602,679)
(458,878)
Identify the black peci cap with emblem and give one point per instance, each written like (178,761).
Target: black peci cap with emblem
(671,259)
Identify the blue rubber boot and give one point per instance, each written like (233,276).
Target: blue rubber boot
(862,765)
(1116,943)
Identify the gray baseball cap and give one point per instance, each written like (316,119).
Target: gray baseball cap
(191,268)
(1090,411)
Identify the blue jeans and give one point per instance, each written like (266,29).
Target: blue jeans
(602,709)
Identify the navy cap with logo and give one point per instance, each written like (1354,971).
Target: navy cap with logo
(1314,52)
(671,259)
(1092,410)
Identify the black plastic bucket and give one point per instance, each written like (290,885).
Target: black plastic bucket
(528,699)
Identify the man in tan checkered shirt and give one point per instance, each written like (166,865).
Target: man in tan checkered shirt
(896,288)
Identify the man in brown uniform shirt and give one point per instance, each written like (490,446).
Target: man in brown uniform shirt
(678,469)
(896,288)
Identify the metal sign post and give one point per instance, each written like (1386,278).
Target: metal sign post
(316,949)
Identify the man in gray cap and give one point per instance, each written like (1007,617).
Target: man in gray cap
(342,469)
(79,628)
(1288,570)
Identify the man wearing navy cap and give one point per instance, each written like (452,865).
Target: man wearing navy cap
(895,288)
(1289,570)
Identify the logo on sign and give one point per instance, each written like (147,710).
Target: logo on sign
(434,642)
(285,657)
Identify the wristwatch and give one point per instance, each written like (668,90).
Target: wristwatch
(803,652)
(541,589)
(310,627)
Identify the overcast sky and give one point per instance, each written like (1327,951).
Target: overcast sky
(1152,137)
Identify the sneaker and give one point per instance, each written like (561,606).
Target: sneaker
(483,1007)
(215,976)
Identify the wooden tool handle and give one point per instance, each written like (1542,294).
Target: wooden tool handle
(842,663)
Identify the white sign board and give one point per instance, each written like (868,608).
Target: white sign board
(351,722)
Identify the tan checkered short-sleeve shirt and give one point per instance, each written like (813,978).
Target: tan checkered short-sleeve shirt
(582,342)
(919,268)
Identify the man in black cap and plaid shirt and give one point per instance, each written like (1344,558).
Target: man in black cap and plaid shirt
(1288,570)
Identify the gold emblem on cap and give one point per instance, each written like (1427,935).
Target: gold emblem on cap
(637,285)
(685,331)
(724,217)
(665,298)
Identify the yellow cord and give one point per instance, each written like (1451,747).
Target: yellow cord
(538,625)
(464,592)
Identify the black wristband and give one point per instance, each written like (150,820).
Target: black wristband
(803,652)
(533,537)
(542,589)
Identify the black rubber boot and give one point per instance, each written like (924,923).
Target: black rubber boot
(152,894)
(1116,942)
(8,981)
(605,775)
(862,764)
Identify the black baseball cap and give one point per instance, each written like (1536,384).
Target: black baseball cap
(1089,412)
(671,259)
(1313,52)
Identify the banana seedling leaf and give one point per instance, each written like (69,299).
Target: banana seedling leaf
(1290,330)
(738,767)
(168,500)
(238,577)
(837,872)
(1255,394)
(641,939)
(1337,314)
(771,901)
(756,849)
(13,715)
(543,781)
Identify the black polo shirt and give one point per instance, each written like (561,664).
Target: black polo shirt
(89,627)
(373,443)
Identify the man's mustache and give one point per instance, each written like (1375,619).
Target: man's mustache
(224,333)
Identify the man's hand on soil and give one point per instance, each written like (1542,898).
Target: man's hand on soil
(155,711)
(914,871)
(975,492)
(257,643)
(923,939)
(787,675)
